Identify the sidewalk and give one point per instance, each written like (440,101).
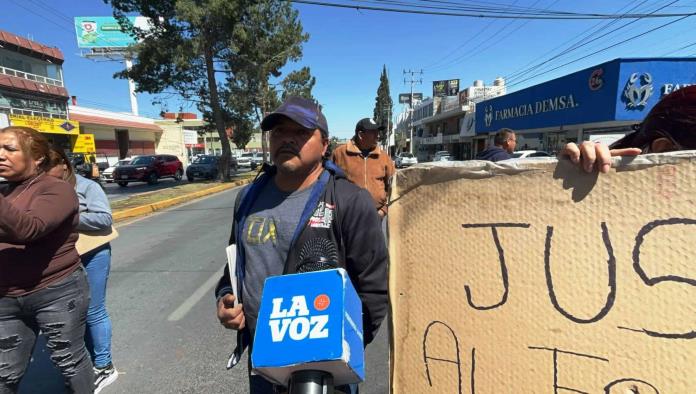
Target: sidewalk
(146,203)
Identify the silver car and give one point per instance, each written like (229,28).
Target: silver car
(405,159)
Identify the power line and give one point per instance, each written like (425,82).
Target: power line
(603,49)
(549,16)
(489,24)
(679,49)
(475,49)
(589,34)
(579,44)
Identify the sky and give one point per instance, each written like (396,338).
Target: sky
(347,49)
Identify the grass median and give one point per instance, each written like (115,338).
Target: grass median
(181,190)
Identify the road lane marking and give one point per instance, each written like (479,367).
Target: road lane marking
(205,289)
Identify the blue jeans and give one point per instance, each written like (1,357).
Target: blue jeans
(59,312)
(98,334)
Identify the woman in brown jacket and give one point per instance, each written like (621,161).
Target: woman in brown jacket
(42,283)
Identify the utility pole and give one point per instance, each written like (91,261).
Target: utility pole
(412,81)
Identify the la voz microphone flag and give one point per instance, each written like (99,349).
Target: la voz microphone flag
(313,321)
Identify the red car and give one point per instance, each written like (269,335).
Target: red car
(149,168)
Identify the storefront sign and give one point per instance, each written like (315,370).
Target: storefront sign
(190,137)
(620,90)
(47,125)
(84,144)
(467,125)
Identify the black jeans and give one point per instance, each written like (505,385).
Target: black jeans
(59,311)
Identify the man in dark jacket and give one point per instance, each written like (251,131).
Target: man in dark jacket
(291,207)
(504,144)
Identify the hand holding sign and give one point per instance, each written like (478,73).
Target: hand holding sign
(593,155)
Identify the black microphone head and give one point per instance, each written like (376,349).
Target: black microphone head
(317,254)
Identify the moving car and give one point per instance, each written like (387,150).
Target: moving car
(523,154)
(405,159)
(149,168)
(206,166)
(108,174)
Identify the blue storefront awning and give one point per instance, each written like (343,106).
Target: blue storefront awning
(619,90)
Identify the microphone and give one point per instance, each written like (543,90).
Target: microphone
(317,254)
(309,334)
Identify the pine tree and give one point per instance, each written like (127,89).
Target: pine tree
(383,105)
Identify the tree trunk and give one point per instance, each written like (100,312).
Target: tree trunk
(264,134)
(224,162)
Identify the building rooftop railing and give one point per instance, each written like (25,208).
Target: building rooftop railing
(30,76)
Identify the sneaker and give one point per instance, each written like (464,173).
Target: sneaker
(104,377)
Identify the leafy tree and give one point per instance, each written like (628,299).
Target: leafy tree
(383,105)
(270,36)
(193,42)
(299,83)
(242,133)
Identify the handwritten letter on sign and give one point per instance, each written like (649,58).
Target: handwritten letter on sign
(545,281)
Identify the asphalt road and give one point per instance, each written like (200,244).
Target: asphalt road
(114,192)
(166,337)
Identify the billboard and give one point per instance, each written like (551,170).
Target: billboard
(446,88)
(405,98)
(105,32)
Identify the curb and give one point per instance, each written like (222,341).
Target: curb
(154,207)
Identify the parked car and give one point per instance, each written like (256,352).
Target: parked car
(150,169)
(246,160)
(438,154)
(257,159)
(523,154)
(444,158)
(108,174)
(206,166)
(405,159)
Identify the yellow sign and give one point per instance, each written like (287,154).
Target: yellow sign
(47,125)
(84,144)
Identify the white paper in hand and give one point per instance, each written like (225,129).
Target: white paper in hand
(232,266)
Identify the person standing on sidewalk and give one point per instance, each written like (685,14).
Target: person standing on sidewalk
(95,217)
(504,144)
(42,283)
(366,164)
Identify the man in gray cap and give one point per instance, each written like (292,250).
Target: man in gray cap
(366,164)
(290,206)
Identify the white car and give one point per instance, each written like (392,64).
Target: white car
(438,154)
(257,159)
(524,154)
(405,159)
(246,160)
(108,174)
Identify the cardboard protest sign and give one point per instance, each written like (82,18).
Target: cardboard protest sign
(507,279)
